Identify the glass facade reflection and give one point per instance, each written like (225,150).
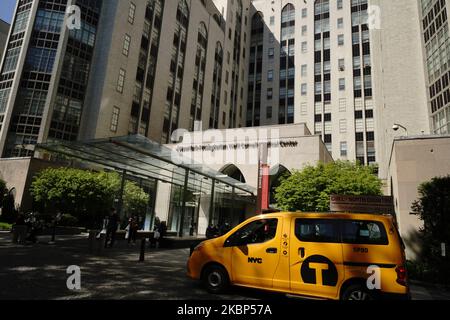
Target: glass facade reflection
(68,105)
(47,33)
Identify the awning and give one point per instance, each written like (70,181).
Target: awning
(139,156)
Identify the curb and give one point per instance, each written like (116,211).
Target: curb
(430,285)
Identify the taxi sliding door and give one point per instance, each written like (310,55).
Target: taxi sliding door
(316,262)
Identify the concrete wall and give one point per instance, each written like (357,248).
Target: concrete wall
(303,149)
(108,60)
(308,149)
(413,162)
(19,174)
(398,75)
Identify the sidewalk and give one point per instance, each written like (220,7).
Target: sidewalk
(39,272)
(427,291)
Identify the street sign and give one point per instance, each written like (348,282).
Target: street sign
(362,204)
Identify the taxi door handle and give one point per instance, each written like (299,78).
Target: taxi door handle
(301,252)
(272,250)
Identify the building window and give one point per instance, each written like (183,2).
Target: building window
(272,20)
(270,75)
(341,64)
(304,89)
(304,13)
(340,40)
(304,47)
(304,30)
(121,81)
(344,149)
(342,84)
(304,109)
(199,76)
(342,105)
(287,64)
(131,13)
(269,113)
(269,94)
(271,53)
(126,45)
(340,4)
(340,23)
(304,70)
(343,126)
(318,88)
(115,119)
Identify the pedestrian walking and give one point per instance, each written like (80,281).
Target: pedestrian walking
(111,229)
(133,229)
(20,230)
(162,230)
(156,235)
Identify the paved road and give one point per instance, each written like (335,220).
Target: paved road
(39,272)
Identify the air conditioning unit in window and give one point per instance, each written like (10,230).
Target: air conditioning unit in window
(341,68)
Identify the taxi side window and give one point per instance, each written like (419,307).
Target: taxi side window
(259,231)
(312,230)
(364,232)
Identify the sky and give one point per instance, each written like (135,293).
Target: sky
(7,9)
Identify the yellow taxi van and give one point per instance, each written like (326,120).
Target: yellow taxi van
(325,256)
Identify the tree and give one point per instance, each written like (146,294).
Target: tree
(433,208)
(86,195)
(135,199)
(310,189)
(7,203)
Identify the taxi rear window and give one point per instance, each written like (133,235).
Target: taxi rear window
(317,230)
(364,232)
(341,231)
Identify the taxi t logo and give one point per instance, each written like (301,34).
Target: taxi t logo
(319,270)
(319,267)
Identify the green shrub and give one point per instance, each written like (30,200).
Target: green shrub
(85,195)
(5,226)
(68,220)
(310,188)
(433,208)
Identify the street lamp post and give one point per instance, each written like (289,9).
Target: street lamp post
(397,126)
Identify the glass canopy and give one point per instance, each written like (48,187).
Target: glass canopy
(139,156)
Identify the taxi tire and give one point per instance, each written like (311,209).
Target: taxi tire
(215,279)
(356,292)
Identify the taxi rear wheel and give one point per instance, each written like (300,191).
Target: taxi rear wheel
(215,279)
(357,292)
